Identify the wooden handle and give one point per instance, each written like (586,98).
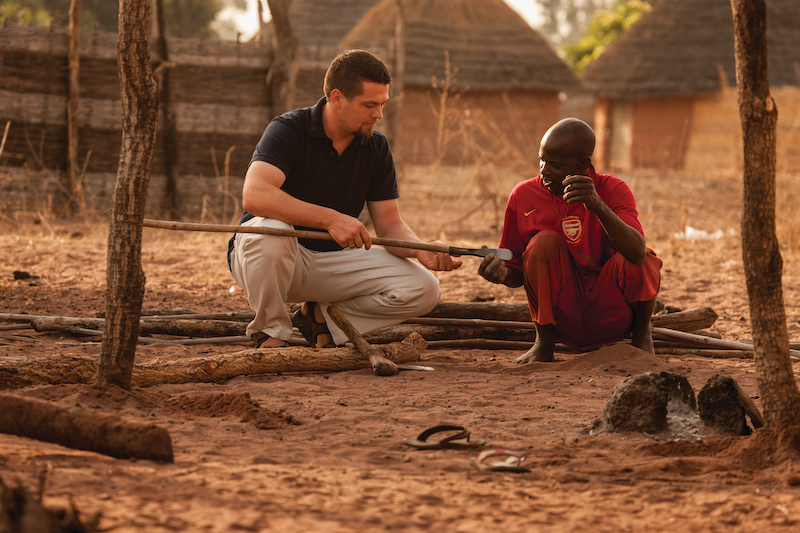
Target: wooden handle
(318,235)
(380,365)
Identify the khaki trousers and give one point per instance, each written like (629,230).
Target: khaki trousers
(373,288)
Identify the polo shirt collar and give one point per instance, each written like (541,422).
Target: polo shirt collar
(317,128)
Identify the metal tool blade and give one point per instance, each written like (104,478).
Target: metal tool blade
(415,367)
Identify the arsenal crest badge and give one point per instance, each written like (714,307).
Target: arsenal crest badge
(572,228)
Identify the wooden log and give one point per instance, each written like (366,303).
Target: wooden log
(186,328)
(691,320)
(437,333)
(83,429)
(699,340)
(517,312)
(491,344)
(705,352)
(217,368)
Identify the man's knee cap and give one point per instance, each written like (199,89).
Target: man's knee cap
(545,241)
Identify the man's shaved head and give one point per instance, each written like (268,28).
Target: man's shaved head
(572,136)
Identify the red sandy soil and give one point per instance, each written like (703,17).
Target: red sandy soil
(324,452)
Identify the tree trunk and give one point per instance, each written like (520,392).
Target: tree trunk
(75,193)
(763,265)
(169,129)
(394,108)
(280,79)
(125,277)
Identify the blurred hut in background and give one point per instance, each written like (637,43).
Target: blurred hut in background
(318,26)
(477,81)
(666,88)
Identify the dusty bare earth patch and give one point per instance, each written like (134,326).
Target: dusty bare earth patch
(324,452)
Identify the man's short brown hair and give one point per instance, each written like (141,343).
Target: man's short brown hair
(351,69)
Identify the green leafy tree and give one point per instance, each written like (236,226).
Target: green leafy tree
(565,21)
(25,12)
(606,26)
(184,18)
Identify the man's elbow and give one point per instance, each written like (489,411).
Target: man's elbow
(248,204)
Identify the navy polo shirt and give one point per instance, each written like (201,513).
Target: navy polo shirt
(296,143)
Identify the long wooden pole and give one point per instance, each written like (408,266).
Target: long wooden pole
(502,253)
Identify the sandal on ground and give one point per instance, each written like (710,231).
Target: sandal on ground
(459,438)
(486,460)
(262,338)
(316,333)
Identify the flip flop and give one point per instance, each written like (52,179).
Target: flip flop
(461,438)
(511,464)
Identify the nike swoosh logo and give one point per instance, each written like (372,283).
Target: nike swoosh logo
(529,212)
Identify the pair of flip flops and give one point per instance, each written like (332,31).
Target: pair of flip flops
(486,461)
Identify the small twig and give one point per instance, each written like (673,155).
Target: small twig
(5,136)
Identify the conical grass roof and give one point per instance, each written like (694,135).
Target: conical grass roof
(492,47)
(686,47)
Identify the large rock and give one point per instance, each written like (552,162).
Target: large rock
(720,408)
(637,404)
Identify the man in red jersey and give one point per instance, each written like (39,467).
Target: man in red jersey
(579,250)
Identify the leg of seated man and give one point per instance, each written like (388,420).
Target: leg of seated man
(372,288)
(550,280)
(264,266)
(639,285)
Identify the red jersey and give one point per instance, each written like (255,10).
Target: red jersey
(533,208)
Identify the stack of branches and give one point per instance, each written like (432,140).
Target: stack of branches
(502,326)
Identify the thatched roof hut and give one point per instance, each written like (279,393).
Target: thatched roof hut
(679,58)
(506,71)
(325,22)
(490,44)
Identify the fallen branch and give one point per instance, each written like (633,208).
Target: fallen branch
(213,369)
(706,352)
(707,341)
(83,429)
(166,327)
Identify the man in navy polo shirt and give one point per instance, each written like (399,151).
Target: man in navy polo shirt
(314,168)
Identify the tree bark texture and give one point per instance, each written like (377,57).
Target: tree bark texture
(212,369)
(282,70)
(83,429)
(125,278)
(760,251)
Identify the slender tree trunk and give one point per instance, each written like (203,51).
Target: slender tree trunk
(763,264)
(284,48)
(75,193)
(169,129)
(394,109)
(125,277)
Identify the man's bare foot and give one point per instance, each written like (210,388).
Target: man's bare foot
(643,341)
(542,350)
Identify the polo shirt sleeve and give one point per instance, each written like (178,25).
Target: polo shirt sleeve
(621,201)
(511,237)
(383,185)
(280,145)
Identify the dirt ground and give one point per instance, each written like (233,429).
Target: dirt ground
(333,459)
